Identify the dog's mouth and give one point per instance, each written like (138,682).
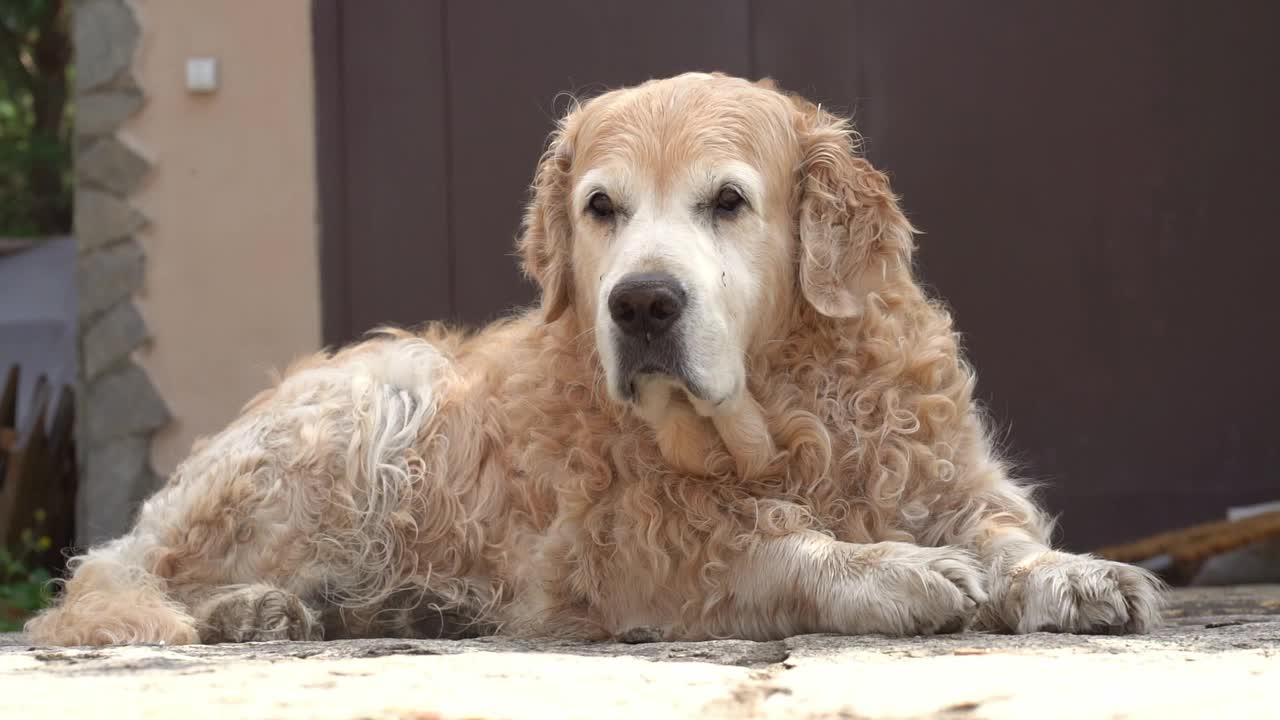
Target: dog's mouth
(652,359)
(631,391)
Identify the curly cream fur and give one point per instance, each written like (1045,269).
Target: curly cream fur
(451,483)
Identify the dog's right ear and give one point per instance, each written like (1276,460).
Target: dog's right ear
(544,243)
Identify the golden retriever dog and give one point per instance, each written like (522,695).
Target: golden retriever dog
(734,413)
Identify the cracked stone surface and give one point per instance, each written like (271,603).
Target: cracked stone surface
(1218,656)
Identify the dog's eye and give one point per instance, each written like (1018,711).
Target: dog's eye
(729,200)
(600,205)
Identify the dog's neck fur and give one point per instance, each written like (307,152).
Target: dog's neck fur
(695,443)
(843,412)
(688,436)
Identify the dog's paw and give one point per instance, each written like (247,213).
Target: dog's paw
(256,613)
(1059,592)
(912,590)
(640,635)
(953,584)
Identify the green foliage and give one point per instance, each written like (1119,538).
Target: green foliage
(23,589)
(35,118)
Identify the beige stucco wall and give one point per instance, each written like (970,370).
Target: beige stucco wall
(232,278)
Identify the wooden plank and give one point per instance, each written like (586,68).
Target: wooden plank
(38,491)
(12,245)
(59,501)
(1094,181)
(9,399)
(1091,178)
(396,157)
(327,54)
(8,422)
(26,468)
(1198,542)
(381,162)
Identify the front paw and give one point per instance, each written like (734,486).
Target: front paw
(1059,592)
(256,613)
(916,590)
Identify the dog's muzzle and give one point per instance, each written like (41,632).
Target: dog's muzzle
(646,309)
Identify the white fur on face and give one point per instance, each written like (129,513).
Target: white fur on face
(718,259)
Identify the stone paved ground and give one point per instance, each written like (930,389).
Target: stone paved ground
(1219,657)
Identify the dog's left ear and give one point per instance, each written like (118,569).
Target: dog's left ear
(854,239)
(544,243)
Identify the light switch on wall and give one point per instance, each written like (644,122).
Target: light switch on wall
(202,74)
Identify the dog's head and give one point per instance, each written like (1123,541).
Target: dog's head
(683,220)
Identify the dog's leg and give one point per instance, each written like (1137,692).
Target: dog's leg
(807,582)
(255,613)
(318,493)
(456,610)
(1035,588)
(192,569)
(112,598)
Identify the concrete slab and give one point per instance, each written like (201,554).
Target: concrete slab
(1219,656)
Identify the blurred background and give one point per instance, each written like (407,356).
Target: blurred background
(195,192)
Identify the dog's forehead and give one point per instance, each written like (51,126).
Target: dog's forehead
(665,128)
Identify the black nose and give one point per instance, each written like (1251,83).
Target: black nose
(646,304)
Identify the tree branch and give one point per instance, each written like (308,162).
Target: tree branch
(11,57)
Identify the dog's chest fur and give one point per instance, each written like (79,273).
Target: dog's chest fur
(856,418)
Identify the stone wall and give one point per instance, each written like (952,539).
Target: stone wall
(118,407)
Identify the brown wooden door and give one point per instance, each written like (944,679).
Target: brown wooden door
(431,118)
(1096,183)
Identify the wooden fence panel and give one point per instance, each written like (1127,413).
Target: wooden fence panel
(1095,180)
